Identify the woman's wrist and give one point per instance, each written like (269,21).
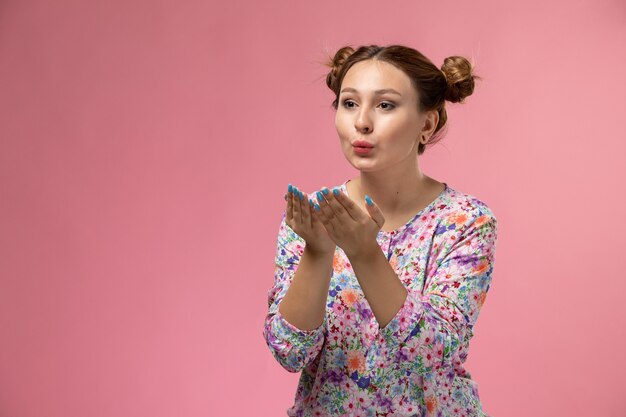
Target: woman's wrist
(319,253)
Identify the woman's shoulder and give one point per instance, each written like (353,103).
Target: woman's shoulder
(458,201)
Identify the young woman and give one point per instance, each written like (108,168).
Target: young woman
(379,281)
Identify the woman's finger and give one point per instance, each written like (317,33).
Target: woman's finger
(344,208)
(306,213)
(297,212)
(312,213)
(289,197)
(315,214)
(326,214)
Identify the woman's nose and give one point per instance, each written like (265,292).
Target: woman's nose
(363,123)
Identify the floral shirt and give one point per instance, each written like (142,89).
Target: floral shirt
(413,366)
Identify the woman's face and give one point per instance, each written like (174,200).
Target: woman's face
(390,122)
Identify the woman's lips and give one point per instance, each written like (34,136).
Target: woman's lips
(362,144)
(361,150)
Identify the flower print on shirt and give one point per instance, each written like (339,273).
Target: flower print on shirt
(413,366)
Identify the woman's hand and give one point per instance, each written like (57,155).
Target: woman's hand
(299,217)
(352,229)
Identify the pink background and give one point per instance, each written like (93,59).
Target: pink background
(145,148)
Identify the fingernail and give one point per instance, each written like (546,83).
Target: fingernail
(369,200)
(325,191)
(319,196)
(310,202)
(289,188)
(317,207)
(335,191)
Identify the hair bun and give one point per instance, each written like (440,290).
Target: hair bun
(336,63)
(460,78)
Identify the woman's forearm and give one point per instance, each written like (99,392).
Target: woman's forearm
(383,289)
(304,304)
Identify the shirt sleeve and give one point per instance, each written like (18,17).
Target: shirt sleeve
(292,347)
(430,328)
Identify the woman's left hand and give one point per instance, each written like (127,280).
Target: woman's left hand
(351,228)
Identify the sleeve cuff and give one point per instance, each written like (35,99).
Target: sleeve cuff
(288,331)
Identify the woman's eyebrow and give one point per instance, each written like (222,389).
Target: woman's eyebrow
(383,91)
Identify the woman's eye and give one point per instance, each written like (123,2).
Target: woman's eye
(346,102)
(389,106)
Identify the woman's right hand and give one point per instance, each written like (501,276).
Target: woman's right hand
(301,219)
